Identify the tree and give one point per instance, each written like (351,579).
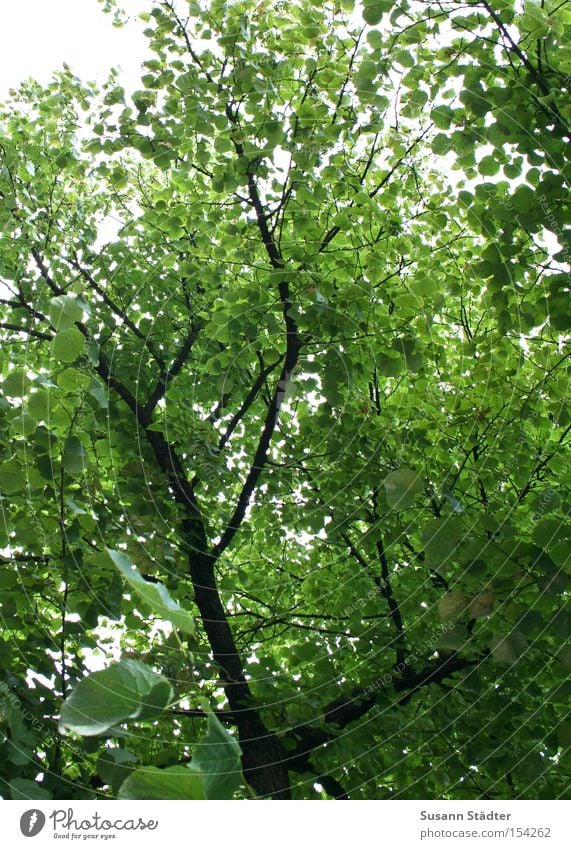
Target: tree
(285,346)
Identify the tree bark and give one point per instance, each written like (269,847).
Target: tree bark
(265,766)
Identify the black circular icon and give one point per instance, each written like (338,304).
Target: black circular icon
(32,822)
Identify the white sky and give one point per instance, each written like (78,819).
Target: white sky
(38,36)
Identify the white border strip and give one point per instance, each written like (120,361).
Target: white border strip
(281,825)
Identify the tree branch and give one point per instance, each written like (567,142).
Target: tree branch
(343,711)
(120,313)
(333,231)
(57,290)
(246,404)
(168,374)
(530,68)
(261,454)
(37,334)
(386,591)
(293,347)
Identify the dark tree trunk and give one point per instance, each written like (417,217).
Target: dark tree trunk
(264,761)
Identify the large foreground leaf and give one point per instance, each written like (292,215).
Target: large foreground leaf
(156,596)
(214,773)
(105,699)
(176,782)
(218,757)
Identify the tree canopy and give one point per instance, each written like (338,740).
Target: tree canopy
(285,347)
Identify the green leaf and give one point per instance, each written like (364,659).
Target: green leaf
(16,383)
(524,199)
(99,393)
(73,457)
(452,606)
(508,648)
(215,771)
(67,345)
(119,178)
(441,539)
(373,11)
(114,765)
(453,639)
(175,782)
(482,605)
(64,311)
(71,380)
(80,511)
(22,789)
(12,477)
(489,166)
(390,365)
(156,596)
(103,700)
(218,757)
(564,734)
(38,405)
(401,488)
(441,144)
